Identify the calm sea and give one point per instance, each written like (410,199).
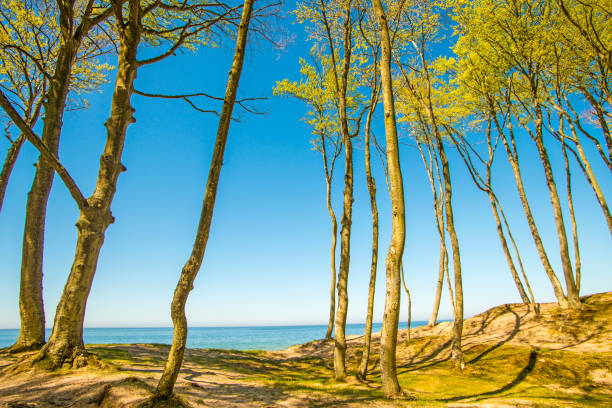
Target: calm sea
(237,338)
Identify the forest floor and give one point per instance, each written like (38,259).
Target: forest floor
(514,359)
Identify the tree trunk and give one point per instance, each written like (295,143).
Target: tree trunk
(65,346)
(31,308)
(388,337)
(561,299)
(332,215)
(365,356)
(572,294)
(504,244)
(588,171)
(345,238)
(456,351)
(191,268)
(570,202)
(9,163)
(409,303)
(345,233)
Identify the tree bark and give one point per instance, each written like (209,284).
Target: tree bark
(346,221)
(572,294)
(439,216)
(65,345)
(588,171)
(570,202)
(191,268)
(31,308)
(456,350)
(409,303)
(365,356)
(332,216)
(9,163)
(388,337)
(561,299)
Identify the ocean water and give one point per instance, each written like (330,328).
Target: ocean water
(237,338)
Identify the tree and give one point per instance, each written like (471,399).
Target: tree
(173,23)
(388,337)
(191,268)
(40,54)
(331,30)
(516,52)
(316,90)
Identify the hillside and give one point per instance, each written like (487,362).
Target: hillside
(515,359)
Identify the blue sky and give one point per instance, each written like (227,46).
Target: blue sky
(267,260)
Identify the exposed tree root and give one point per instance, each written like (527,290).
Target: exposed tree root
(18,348)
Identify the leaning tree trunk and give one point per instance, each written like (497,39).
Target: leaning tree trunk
(191,268)
(7,167)
(590,176)
(388,337)
(65,346)
(570,202)
(456,351)
(365,356)
(346,221)
(504,244)
(572,294)
(438,205)
(31,308)
(558,290)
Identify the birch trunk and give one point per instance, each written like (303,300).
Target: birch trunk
(191,268)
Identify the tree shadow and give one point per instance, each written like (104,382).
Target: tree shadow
(533,356)
(511,335)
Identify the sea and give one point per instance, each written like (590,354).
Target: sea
(235,338)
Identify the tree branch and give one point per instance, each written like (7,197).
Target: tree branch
(49,156)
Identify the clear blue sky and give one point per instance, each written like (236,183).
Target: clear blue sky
(267,260)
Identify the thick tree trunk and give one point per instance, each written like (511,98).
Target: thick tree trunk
(346,221)
(65,346)
(456,350)
(31,309)
(365,356)
(388,337)
(7,167)
(561,299)
(572,294)
(191,268)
